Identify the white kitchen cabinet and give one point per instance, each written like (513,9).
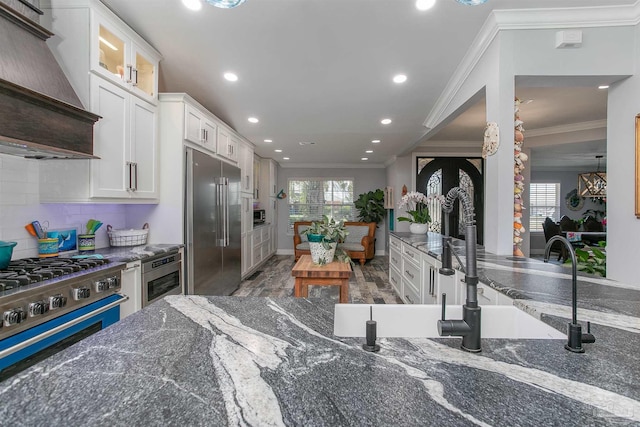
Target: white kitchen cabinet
(227,144)
(117,56)
(256,177)
(411,275)
(268,179)
(126,143)
(245,161)
(131,286)
(245,248)
(246,204)
(395,264)
(429,280)
(120,85)
(91,39)
(200,129)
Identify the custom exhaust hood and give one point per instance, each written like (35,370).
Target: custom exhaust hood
(41,116)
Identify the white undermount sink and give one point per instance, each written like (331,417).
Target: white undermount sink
(420,321)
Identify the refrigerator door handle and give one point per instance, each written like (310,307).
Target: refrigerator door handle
(220,231)
(225,219)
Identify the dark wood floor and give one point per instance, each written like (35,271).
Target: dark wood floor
(369,284)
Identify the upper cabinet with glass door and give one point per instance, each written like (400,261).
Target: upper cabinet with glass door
(117,54)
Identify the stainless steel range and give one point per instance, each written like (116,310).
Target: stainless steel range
(48,304)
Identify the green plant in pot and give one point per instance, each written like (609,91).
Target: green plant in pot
(370,206)
(323,239)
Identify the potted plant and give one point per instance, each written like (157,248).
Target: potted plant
(370,206)
(417,205)
(323,239)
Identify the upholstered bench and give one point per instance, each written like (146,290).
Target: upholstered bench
(359,244)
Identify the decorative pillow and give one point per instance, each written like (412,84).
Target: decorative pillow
(303,237)
(356,233)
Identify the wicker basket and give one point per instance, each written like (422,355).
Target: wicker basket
(132,237)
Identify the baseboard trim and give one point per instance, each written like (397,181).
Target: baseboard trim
(284,252)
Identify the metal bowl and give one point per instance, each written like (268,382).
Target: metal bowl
(6,250)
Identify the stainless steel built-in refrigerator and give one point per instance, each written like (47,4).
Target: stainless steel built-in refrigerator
(212,221)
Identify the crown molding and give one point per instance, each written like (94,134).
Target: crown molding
(573,127)
(331,165)
(527,19)
(391,160)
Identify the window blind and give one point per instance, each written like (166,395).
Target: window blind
(544,201)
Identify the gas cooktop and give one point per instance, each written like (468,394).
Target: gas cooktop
(33,270)
(34,290)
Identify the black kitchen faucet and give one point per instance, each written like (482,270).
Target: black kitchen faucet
(574,332)
(469,327)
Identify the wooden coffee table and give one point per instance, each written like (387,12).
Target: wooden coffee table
(333,274)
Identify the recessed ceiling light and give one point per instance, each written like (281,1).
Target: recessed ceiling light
(603,87)
(425,4)
(192,4)
(277,150)
(253,120)
(303,143)
(375,141)
(369,151)
(268,140)
(364,158)
(399,78)
(231,77)
(385,121)
(285,158)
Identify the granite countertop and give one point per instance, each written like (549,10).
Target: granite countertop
(544,289)
(194,360)
(133,253)
(198,360)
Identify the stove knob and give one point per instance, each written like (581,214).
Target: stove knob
(100,286)
(57,301)
(38,308)
(112,282)
(81,293)
(14,316)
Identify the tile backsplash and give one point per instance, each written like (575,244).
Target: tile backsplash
(19,205)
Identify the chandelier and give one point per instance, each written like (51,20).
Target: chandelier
(593,184)
(225,4)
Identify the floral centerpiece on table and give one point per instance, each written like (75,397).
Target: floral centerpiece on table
(417,205)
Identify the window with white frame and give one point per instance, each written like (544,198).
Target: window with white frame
(310,198)
(544,201)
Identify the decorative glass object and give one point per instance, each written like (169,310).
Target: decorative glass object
(225,4)
(471,2)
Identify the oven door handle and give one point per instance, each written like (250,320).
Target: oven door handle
(26,343)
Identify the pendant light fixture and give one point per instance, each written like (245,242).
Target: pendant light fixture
(593,184)
(225,4)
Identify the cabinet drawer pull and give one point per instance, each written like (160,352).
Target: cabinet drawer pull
(393,279)
(395,261)
(409,274)
(409,253)
(408,299)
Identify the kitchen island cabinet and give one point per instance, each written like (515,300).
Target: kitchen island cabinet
(195,360)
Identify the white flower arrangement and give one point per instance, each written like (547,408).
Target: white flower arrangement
(417,205)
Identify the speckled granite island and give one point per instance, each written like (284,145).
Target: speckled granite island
(193,360)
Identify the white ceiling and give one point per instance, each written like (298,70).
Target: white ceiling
(320,70)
